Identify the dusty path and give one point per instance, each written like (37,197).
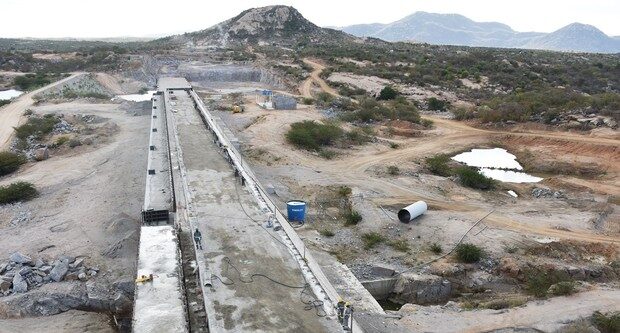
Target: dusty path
(11,114)
(306,87)
(110,83)
(449,135)
(547,316)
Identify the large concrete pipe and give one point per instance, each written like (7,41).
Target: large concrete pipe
(412,211)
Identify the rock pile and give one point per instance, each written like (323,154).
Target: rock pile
(22,273)
(63,127)
(540,192)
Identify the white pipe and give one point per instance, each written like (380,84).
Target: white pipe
(412,211)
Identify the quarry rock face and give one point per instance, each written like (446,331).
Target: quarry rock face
(421,289)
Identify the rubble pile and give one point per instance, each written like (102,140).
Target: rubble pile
(21,273)
(540,192)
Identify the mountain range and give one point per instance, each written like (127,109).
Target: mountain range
(454,29)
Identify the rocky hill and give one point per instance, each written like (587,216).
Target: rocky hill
(281,25)
(576,37)
(453,29)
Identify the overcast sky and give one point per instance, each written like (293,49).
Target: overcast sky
(113,18)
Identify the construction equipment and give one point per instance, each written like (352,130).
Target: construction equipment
(144,278)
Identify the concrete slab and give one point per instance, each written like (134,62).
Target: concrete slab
(236,246)
(158,193)
(159,305)
(172,83)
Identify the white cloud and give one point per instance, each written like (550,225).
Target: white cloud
(74,18)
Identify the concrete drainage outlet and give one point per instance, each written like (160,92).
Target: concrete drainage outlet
(393,290)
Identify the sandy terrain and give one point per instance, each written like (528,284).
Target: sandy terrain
(89,206)
(522,222)
(11,114)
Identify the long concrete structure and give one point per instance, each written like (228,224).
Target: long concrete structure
(160,304)
(159,196)
(253,278)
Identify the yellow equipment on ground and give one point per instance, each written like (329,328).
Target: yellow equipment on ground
(238,109)
(144,278)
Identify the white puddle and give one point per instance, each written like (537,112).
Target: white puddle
(493,162)
(9,94)
(510,176)
(137,97)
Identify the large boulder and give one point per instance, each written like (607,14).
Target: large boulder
(41,154)
(20,258)
(4,286)
(421,289)
(20,285)
(60,270)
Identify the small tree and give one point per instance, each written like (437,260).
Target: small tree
(387,93)
(19,191)
(470,177)
(437,104)
(10,162)
(468,253)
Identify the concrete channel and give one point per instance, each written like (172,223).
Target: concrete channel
(252,278)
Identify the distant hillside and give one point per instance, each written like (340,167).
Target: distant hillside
(454,29)
(265,25)
(576,37)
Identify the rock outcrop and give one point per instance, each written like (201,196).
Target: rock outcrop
(421,289)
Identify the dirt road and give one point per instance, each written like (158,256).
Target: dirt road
(547,316)
(306,86)
(11,114)
(448,135)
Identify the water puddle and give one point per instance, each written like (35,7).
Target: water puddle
(498,164)
(9,94)
(137,97)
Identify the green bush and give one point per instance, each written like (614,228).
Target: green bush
(436,248)
(19,191)
(327,154)
(468,253)
(470,177)
(61,140)
(563,288)
(326,233)
(372,239)
(4,102)
(437,104)
(75,143)
(307,101)
(538,282)
(357,136)
(607,323)
(344,191)
(399,245)
(393,170)
(10,162)
(352,217)
(324,99)
(31,81)
(427,123)
(311,135)
(394,145)
(438,165)
(387,93)
(37,127)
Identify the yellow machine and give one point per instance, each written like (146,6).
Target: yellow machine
(237,109)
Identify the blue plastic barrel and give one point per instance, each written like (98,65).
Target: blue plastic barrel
(296,210)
